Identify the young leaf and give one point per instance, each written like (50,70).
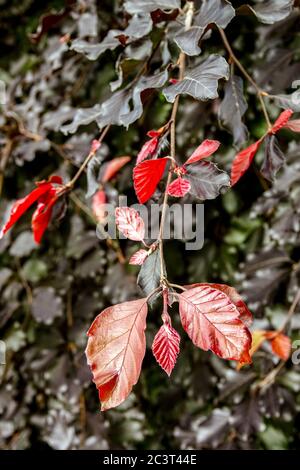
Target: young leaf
(280,344)
(150,274)
(213,322)
(293,125)
(206,149)
(201,82)
(232,110)
(146,176)
(138,257)
(242,161)
(165,346)
(219,12)
(206,180)
(110,169)
(98,205)
(148,150)
(274,158)
(115,350)
(179,187)
(130,223)
(281,121)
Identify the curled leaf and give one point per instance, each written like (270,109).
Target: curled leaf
(243,160)
(148,150)
(110,169)
(280,344)
(98,205)
(206,149)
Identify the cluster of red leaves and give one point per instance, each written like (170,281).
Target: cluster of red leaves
(181,186)
(213,315)
(45,195)
(243,159)
(148,173)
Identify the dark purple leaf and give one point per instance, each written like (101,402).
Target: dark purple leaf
(201,82)
(219,12)
(232,110)
(207,181)
(274,158)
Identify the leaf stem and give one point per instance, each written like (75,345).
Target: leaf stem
(260,93)
(87,160)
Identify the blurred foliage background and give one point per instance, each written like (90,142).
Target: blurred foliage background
(51,293)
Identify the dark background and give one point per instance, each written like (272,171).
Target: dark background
(51,293)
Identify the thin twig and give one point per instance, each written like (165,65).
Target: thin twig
(260,93)
(87,160)
(268,380)
(291,311)
(4,160)
(181,64)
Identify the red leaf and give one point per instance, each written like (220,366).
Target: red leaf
(146,176)
(53,179)
(158,132)
(234,296)
(165,347)
(130,223)
(110,169)
(293,125)
(213,322)
(98,205)
(138,257)
(22,205)
(179,187)
(281,121)
(42,215)
(206,149)
(280,343)
(148,149)
(115,350)
(242,161)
